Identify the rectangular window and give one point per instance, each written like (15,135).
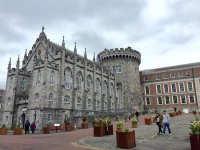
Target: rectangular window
(183,100)
(180,74)
(175,100)
(167,100)
(147,89)
(181,87)
(172,75)
(188,73)
(49,117)
(191,98)
(113,69)
(148,101)
(158,87)
(166,89)
(158,77)
(165,76)
(119,69)
(159,100)
(145,78)
(173,87)
(190,86)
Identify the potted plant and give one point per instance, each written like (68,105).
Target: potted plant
(68,125)
(172,114)
(108,126)
(99,128)
(17,130)
(148,120)
(125,138)
(84,124)
(134,123)
(46,128)
(195,135)
(3,130)
(119,125)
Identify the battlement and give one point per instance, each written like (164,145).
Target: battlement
(119,53)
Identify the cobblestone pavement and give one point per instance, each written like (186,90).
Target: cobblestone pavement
(146,138)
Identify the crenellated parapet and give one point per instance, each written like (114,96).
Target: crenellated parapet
(122,53)
(22,72)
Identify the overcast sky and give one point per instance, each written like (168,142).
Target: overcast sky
(165,32)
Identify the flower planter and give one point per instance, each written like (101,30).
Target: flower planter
(17,131)
(134,126)
(84,125)
(3,131)
(195,141)
(148,121)
(109,130)
(46,130)
(99,131)
(125,139)
(68,127)
(171,114)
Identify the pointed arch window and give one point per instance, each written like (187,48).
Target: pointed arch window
(50,97)
(38,78)
(98,86)
(89,102)
(79,80)
(89,83)
(23,84)
(9,100)
(68,78)
(52,76)
(67,99)
(105,88)
(111,89)
(37,97)
(78,101)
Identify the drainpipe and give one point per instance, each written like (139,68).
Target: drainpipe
(195,91)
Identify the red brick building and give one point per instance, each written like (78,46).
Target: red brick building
(169,87)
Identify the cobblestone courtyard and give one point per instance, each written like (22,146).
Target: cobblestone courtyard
(146,138)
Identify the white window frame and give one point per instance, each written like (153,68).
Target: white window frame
(157,77)
(157,88)
(172,88)
(172,75)
(179,85)
(188,86)
(50,97)
(145,78)
(146,99)
(167,88)
(180,74)
(188,73)
(193,97)
(166,100)
(182,101)
(176,99)
(146,91)
(165,76)
(158,100)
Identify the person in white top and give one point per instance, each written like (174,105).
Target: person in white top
(166,122)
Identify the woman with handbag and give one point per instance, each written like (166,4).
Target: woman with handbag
(159,120)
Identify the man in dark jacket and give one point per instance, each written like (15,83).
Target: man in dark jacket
(27,125)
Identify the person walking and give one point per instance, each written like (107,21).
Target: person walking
(27,125)
(159,120)
(166,122)
(33,126)
(137,115)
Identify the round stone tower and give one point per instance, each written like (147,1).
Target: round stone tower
(125,64)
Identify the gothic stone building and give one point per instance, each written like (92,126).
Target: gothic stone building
(55,82)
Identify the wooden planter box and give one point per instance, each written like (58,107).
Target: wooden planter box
(46,130)
(3,131)
(109,130)
(99,131)
(125,139)
(84,125)
(68,127)
(148,121)
(194,141)
(17,131)
(171,114)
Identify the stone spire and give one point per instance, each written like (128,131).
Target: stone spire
(25,55)
(94,57)
(9,64)
(85,55)
(75,50)
(18,65)
(42,34)
(63,42)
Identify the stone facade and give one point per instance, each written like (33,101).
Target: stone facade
(55,82)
